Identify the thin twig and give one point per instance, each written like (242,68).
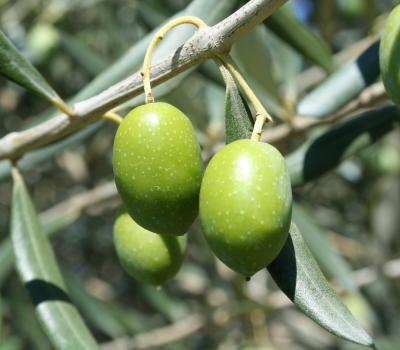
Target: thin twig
(159,336)
(204,44)
(370,97)
(74,206)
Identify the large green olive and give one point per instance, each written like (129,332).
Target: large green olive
(158,168)
(147,256)
(245,205)
(389,55)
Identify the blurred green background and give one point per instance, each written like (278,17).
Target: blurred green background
(350,213)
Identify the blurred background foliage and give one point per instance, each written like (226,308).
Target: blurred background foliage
(348,200)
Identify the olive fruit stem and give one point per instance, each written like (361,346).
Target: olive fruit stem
(261,114)
(156,39)
(112,116)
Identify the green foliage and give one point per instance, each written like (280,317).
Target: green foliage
(343,85)
(389,55)
(286,26)
(299,277)
(16,68)
(352,198)
(40,274)
(238,122)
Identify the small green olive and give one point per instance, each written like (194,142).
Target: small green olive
(158,168)
(147,256)
(245,205)
(389,55)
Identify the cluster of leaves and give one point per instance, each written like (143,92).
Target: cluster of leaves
(113,306)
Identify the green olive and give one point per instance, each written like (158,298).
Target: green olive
(147,256)
(389,55)
(158,168)
(245,205)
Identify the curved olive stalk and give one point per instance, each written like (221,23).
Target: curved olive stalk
(262,115)
(156,39)
(112,116)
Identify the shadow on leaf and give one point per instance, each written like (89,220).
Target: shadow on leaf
(285,265)
(329,149)
(42,291)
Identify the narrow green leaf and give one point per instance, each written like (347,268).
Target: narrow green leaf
(39,272)
(297,274)
(286,26)
(288,63)
(252,53)
(95,311)
(327,257)
(16,68)
(23,316)
(93,63)
(6,258)
(327,148)
(342,86)
(238,123)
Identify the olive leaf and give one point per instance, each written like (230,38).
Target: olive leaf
(38,269)
(287,27)
(238,123)
(326,256)
(251,52)
(343,85)
(297,274)
(16,68)
(23,316)
(326,149)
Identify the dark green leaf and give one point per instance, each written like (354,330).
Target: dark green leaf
(328,148)
(326,256)
(40,274)
(23,316)
(238,123)
(297,274)
(286,26)
(342,86)
(16,68)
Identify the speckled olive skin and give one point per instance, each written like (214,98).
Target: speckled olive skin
(147,256)
(246,205)
(389,55)
(158,168)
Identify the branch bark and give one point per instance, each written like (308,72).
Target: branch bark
(206,43)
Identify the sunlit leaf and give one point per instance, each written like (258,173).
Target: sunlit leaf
(16,68)
(38,269)
(329,260)
(342,86)
(238,123)
(297,274)
(286,26)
